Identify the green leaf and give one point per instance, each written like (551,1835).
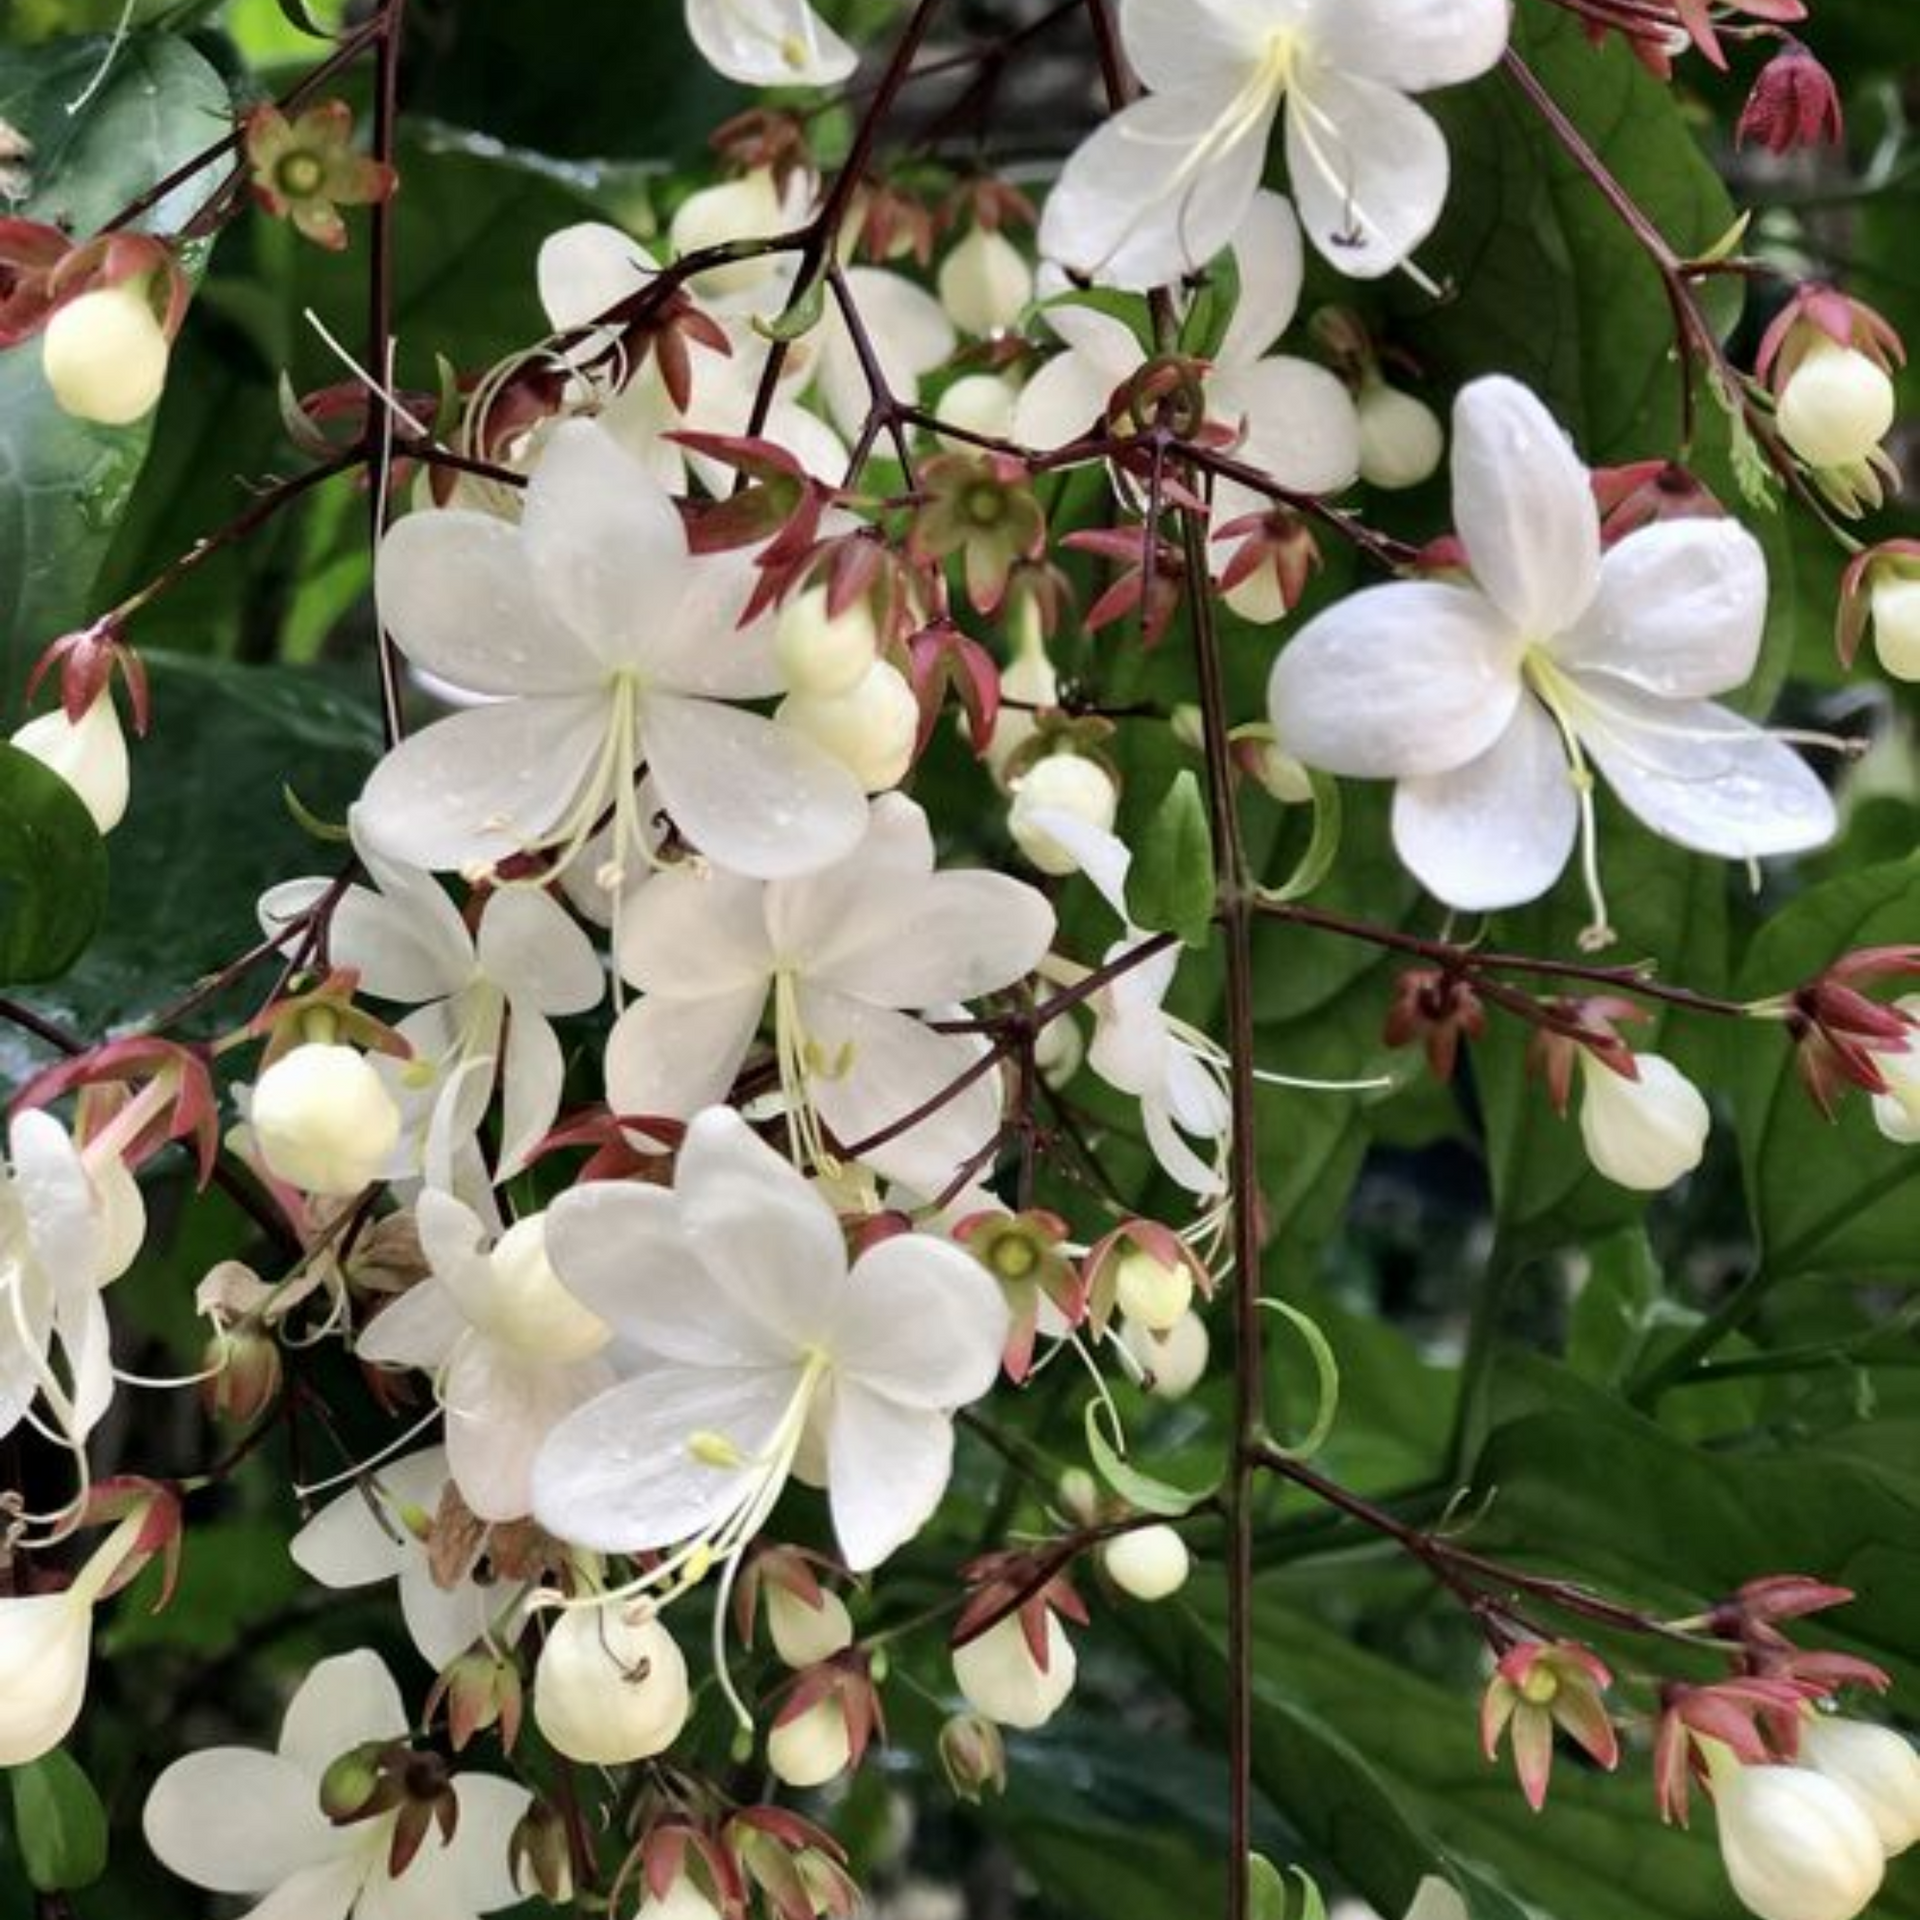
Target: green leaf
(1323,848)
(1171,887)
(53,871)
(1274,1900)
(58,1822)
(1326,1371)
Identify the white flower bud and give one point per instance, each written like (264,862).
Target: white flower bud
(985,282)
(823,654)
(517,1298)
(1029,678)
(1876,1766)
(682,1901)
(1058,1049)
(804,1635)
(1000,1677)
(1401,438)
(1071,783)
(105,355)
(90,756)
(869,730)
(1897,1111)
(1152,1292)
(813,1747)
(1175,1360)
(322,1119)
(1795,1845)
(1836,406)
(1896,625)
(1642,1133)
(979,403)
(610,1688)
(733,210)
(45,1640)
(1437,1899)
(1150,1563)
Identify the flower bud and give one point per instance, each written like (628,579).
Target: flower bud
(1077,1495)
(1156,1293)
(90,755)
(870,729)
(1896,625)
(45,1643)
(811,1748)
(1030,679)
(248,1378)
(1836,405)
(681,1901)
(1071,783)
(1875,1765)
(1897,1111)
(1173,1361)
(985,282)
(105,355)
(821,653)
(974,1757)
(1000,1677)
(322,1119)
(1150,1563)
(1796,1846)
(1058,1049)
(804,1635)
(729,211)
(609,1687)
(1642,1133)
(980,403)
(1401,438)
(540,1855)
(516,1296)
(352,1780)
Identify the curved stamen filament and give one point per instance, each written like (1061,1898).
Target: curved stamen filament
(1561,698)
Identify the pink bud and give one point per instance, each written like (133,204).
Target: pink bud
(1793,104)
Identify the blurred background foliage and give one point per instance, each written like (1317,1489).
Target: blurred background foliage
(1506,1323)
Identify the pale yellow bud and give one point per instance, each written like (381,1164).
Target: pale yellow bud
(322,1119)
(610,1687)
(870,730)
(1836,406)
(90,755)
(105,355)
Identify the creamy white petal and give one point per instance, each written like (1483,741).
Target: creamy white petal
(476,1857)
(667,1058)
(751,795)
(417,1330)
(769,43)
(585,269)
(1063,402)
(1298,419)
(1159,189)
(399,954)
(236,1821)
(1272,263)
(955,937)
(532,1081)
(1412,678)
(887,1466)
(1702,776)
(443,1622)
(620,1250)
(1499,830)
(1178,1161)
(911,336)
(1103,857)
(499,1408)
(694,931)
(455,591)
(1523,504)
(353,1541)
(323,1892)
(1182,43)
(620,1474)
(342,1702)
(922,1323)
(1680,610)
(531,946)
(1412,44)
(697,645)
(485,783)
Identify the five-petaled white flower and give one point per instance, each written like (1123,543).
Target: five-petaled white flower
(769,43)
(1493,703)
(843,954)
(1161,187)
(607,644)
(758,1352)
(235,1820)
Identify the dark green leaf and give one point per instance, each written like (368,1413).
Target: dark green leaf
(53,871)
(59,1823)
(1170,889)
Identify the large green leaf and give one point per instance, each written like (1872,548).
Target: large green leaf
(58,1822)
(53,871)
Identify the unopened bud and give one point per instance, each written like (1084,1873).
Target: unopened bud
(1156,1293)
(352,1781)
(1795,1844)
(998,1674)
(246,1377)
(1896,625)
(90,755)
(973,1755)
(610,1688)
(1878,1767)
(1836,406)
(538,1853)
(105,355)
(1067,783)
(980,403)
(1401,438)
(805,1634)
(1646,1132)
(322,1119)
(823,654)
(1058,1049)
(1030,679)
(985,282)
(1150,1563)
(1078,1496)
(870,729)
(481,1690)
(811,1748)
(1173,1362)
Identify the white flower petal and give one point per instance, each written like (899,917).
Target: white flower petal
(417,1330)
(1524,508)
(476,1857)
(350,1542)
(499,1408)
(1063,402)
(698,646)
(667,1058)
(1412,44)
(1702,776)
(694,931)
(326,1891)
(911,336)
(922,1323)
(620,1476)
(887,1466)
(1272,263)
(532,1080)
(483,784)
(534,949)
(1298,419)
(1412,678)
(750,795)
(1178,1161)
(236,1821)
(455,591)
(1183,43)
(1499,830)
(1680,610)
(769,43)
(342,1703)
(1368,170)
(1158,190)
(399,954)
(443,1622)
(955,937)
(585,269)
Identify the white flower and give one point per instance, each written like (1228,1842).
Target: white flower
(323,1120)
(1796,1845)
(373,1532)
(46,1645)
(608,644)
(486,997)
(1000,1677)
(1643,1133)
(985,282)
(105,355)
(733,1297)
(1295,420)
(89,754)
(1897,1111)
(610,1686)
(769,43)
(845,955)
(1158,190)
(1494,704)
(1877,1766)
(511,1351)
(1068,783)
(235,1820)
